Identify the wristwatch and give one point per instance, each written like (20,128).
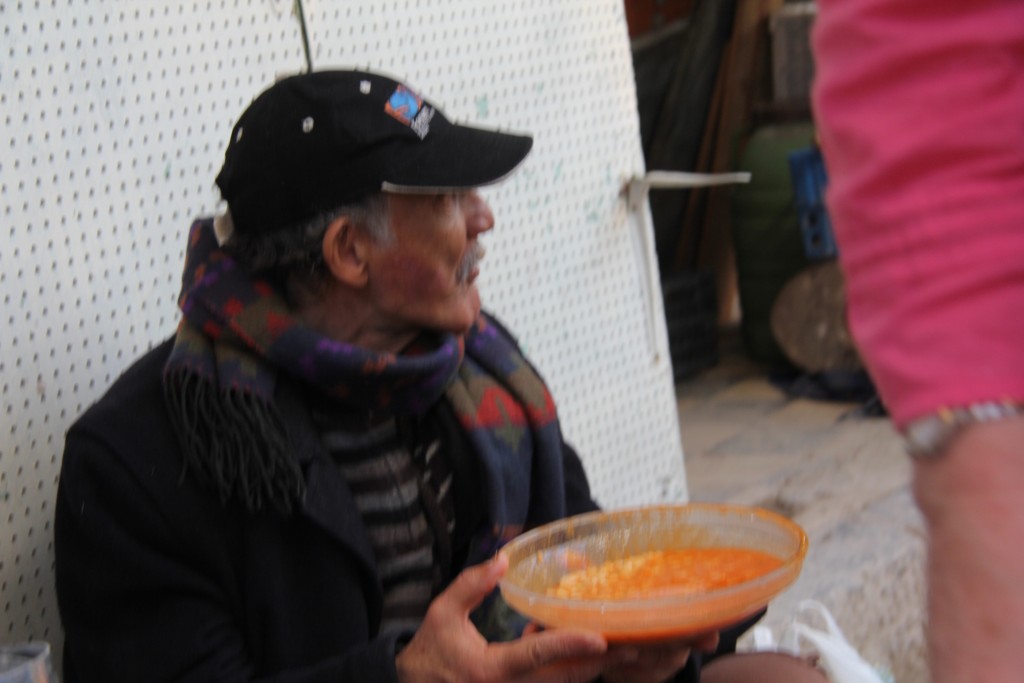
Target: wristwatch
(928,437)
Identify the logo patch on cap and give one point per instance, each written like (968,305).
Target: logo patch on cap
(408,107)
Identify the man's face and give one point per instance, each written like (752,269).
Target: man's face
(424,277)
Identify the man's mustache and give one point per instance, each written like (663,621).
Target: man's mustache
(473,256)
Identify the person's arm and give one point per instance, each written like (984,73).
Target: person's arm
(920,108)
(970,497)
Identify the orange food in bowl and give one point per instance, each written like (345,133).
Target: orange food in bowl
(540,558)
(663,572)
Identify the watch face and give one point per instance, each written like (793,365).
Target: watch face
(928,436)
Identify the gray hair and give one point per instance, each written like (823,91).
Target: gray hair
(295,255)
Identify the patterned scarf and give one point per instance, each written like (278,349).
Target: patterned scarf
(237,334)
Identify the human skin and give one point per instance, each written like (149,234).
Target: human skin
(447,646)
(761,667)
(424,277)
(919,108)
(970,498)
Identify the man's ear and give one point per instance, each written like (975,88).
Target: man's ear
(345,251)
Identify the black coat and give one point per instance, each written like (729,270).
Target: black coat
(157,580)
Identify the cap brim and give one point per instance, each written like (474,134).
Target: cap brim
(459,157)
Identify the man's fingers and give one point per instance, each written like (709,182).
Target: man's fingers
(475,583)
(532,628)
(707,642)
(549,647)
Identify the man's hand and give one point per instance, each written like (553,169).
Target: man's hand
(447,647)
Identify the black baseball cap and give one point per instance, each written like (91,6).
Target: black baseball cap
(317,141)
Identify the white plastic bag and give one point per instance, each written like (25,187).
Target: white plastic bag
(836,656)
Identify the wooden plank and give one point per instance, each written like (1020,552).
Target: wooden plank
(645,16)
(676,139)
(688,243)
(748,41)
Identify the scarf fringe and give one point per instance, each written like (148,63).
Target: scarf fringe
(233,442)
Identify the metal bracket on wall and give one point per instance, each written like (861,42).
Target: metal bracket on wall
(636,190)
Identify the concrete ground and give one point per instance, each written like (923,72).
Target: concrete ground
(843,477)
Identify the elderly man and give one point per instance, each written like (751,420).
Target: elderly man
(310,480)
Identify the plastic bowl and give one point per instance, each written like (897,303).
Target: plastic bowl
(539,558)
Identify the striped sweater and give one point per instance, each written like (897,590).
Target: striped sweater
(402,485)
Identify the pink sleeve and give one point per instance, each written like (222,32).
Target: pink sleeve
(920,108)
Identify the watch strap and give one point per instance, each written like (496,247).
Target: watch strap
(929,436)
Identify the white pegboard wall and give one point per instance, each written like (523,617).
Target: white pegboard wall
(115,115)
